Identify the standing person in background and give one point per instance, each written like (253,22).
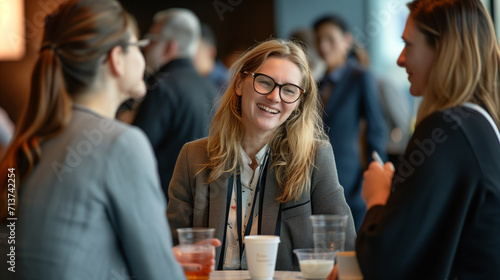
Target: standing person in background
(206,62)
(178,104)
(440,216)
(89,203)
(349,95)
(306,37)
(267,165)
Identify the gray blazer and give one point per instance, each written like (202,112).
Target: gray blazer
(93,208)
(194,203)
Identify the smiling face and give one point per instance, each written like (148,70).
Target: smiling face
(263,114)
(417,57)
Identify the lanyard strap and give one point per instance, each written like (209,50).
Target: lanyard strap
(486,115)
(228,206)
(260,190)
(239,214)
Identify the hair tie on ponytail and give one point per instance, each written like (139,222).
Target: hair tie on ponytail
(48,45)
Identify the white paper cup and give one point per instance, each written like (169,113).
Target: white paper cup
(348,266)
(261,252)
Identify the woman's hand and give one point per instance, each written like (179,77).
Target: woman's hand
(187,266)
(377,183)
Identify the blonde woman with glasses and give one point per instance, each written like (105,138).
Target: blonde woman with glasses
(267,164)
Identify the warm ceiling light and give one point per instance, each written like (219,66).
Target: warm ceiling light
(12,43)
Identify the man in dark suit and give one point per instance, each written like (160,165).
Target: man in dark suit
(178,104)
(350,97)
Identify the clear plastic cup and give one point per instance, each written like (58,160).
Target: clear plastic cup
(329,231)
(315,263)
(196,248)
(197,254)
(195,235)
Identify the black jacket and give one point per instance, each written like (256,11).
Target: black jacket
(442,219)
(176,109)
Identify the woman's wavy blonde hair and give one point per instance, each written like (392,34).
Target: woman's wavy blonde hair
(467,62)
(294,143)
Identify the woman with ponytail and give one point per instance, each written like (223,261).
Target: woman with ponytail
(80,187)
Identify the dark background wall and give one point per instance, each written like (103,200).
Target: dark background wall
(237,23)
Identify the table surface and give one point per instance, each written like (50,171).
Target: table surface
(245,275)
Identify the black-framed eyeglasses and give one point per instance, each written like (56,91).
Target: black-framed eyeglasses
(263,84)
